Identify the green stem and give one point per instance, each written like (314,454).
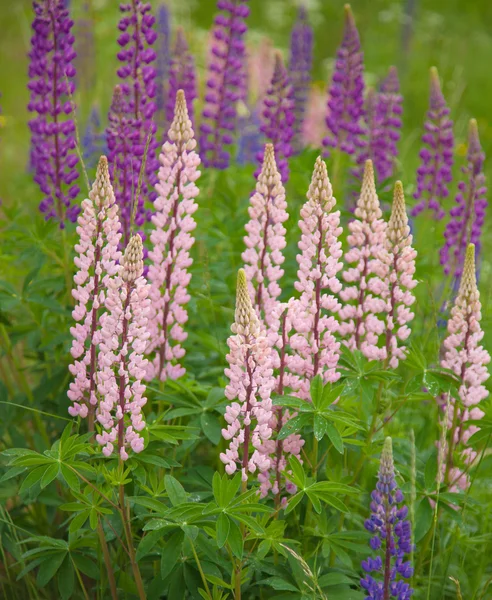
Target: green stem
(84,591)
(202,574)
(107,560)
(129,540)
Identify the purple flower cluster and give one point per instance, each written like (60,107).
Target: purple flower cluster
(85,62)
(53,144)
(467,217)
(391,537)
(435,171)
(300,65)
(278,117)
(182,76)
(132,113)
(346,92)
(225,85)
(94,140)
(163,64)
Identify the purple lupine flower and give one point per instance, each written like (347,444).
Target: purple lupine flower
(278,117)
(94,139)
(467,218)
(300,64)
(132,115)
(250,138)
(346,92)
(85,46)
(225,85)
(392,537)
(435,171)
(163,64)
(182,76)
(53,143)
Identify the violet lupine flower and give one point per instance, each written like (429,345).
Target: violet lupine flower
(251,383)
(51,72)
(182,76)
(315,348)
(464,355)
(85,45)
(97,262)
(399,258)
(278,117)
(467,218)
(346,92)
(250,138)
(225,83)
(362,316)
(435,171)
(391,539)
(163,64)
(171,241)
(134,114)
(123,340)
(93,140)
(300,65)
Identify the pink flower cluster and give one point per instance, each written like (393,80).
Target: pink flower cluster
(122,366)
(464,355)
(365,282)
(97,259)
(172,240)
(250,386)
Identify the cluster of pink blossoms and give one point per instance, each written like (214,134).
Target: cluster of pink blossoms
(464,355)
(250,386)
(171,243)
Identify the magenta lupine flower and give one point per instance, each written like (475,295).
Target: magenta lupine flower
(464,355)
(399,258)
(467,218)
(225,83)
(123,340)
(314,346)
(346,92)
(171,241)
(278,117)
(435,171)
(134,114)
(251,383)
(362,316)
(97,259)
(392,537)
(182,76)
(51,73)
(300,65)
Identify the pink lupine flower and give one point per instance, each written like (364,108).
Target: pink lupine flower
(251,383)
(464,355)
(122,366)
(361,317)
(265,240)
(96,260)
(313,343)
(172,240)
(314,126)
(399,257)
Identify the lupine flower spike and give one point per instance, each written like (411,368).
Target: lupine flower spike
(362,320)
(391,541)
(93,140)
(225,83)
(97,260)
(171,241)
(315,349)
(278,116)
(300,65)
(251,383)
(51,74)
(435,171)
(464,355)
(163,64)
(122,366)
(346,92)
(181,76)
(399,258)
(467,218)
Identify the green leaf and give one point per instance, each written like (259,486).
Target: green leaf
(320,424)
(232,488)
(235,539)
(335,437)
(49,567)
(147,543)
(50,474)
(314,501)
(86,566)
(293,426)
(70,477)
(32,479)
(222,529)
(316,390)
(175,490)
(79,521)
(211,427)
(331,394)
(171,552)
(279,583)
(430,473)
(423,519)
(66,579)
(293,502)
(298,477)
(333,579)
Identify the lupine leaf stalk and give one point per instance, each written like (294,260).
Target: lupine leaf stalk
(467,358)
(51,83)
(97,262)
(361,317)
(391,537)
(172,240)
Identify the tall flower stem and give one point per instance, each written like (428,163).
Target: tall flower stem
(200,569)
(107,560)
